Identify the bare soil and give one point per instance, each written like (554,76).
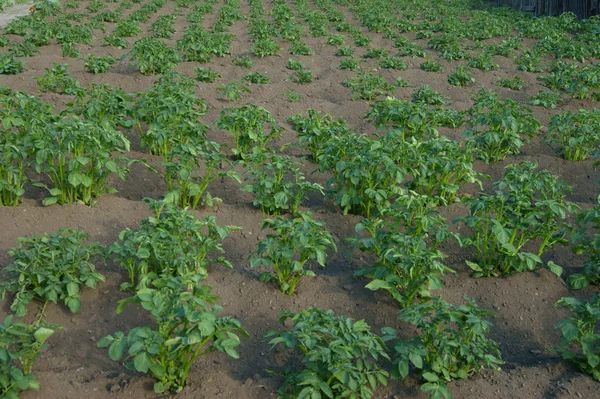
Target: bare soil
(72,366)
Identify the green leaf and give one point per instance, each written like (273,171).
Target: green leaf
(554,268)
(142,362)
(430,377)
(117,348)
(49,201)
(42,334)
(416,359)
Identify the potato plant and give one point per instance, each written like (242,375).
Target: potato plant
(528,206)
(315,129)
(152,56)
(291,245)
(589,246)
(78,156)
(98,64)
(499,128)
(365,174)
(20,345)
(580,335)
(187,327)
(51,268)
(452,344)
(276,182)
(171,243)
(576,134)
(246,125)
(188,187)
(339,356)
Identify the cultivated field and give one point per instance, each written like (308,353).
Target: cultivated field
(391,122)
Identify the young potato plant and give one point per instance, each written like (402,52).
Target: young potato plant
(51,268)
(171,110)
(233,91)
(276,182)
(406,267)
(588,246)
(365,174)
(438,165)
(515,83)
(315,129)
(10,65)
(577,134)
(291,245)
(20,345)
(98,64)
(431,66)
(546,99)
(153,57)
(58,80)
(499,128)
(187,327)
(77,156)
(171,243)
(426,95)
(406,118)
(207,75)
(580,330)
(246,125)
(367,86)
(339,356)
(15,150)
(190,168)
(452,344)
(461,77)
(104,104)
(528,207)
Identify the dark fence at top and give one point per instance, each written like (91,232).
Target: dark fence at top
(581,8)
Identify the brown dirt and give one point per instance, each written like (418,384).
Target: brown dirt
(72,366)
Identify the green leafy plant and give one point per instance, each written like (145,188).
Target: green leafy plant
(339,356)
(580,329)
(431,66)
(98,64)
(546,99)
(58,80)
(576,134)
(300,48)
(276,182)
(315,129)
(152,56)
(291,245)
(20,345)
(294,65)
(395,63)
(256,78)
(452,344)
(461,77)
(426,95)
(51,268)
(170,243)
(265,47)
(246,125)
(293,96)
(500,127)
(187,186)
(207,75)
(187,327)
(484,62)
(233,91)
(367,86)
(515,83)
(78,156)
(9,65)
(243,61)
(588,246)
(350,64)
(528,206)
(344,51)
(302,76)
